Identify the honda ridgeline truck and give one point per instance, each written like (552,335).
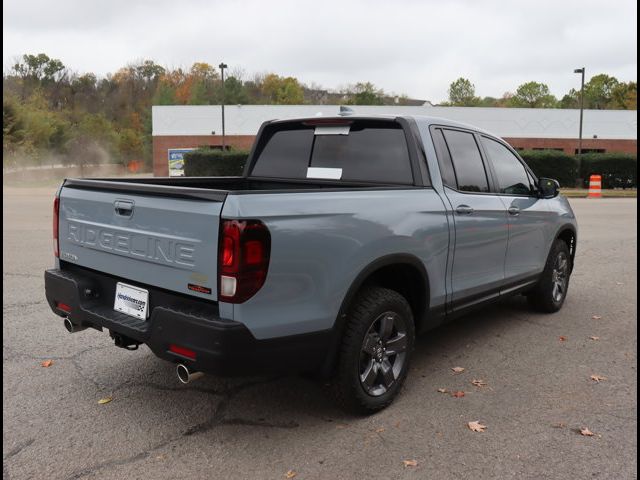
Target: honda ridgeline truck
(343,239)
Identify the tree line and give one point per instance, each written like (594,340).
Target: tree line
(601,92)
(51,114)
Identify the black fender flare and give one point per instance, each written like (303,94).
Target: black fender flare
(356,285)
(572,248)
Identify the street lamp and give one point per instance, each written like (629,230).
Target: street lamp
(222,67)
(581,71)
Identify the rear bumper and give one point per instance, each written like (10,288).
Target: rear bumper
(222,347)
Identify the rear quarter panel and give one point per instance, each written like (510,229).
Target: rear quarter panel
(321,241)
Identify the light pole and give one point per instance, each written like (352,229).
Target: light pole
(222,67)
(581,71)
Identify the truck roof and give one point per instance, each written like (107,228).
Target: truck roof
(420,119)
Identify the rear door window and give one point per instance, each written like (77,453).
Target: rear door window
(372,151)
(467,161)
(444,159)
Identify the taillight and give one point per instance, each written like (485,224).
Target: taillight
(56,218)
(243,259)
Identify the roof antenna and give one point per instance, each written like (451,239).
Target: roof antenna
(344,111)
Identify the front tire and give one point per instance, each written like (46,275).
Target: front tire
(551,291)
(375,351)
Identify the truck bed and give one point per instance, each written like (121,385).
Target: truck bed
(215,188)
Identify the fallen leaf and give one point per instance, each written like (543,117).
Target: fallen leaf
(478,383)
(595,338)
(380,430)
(597,378)
(290,474)
(104,400)
(619,283)
(47,363)
(410,463)
(458,394)
(562,338)
(457,369)
(442,390)
(559,425)
(476,426)
(597,317)
(586,432)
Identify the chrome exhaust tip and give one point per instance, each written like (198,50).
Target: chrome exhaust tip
(186,374)
(72,327)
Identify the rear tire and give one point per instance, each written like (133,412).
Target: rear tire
(375,351)
(549,294)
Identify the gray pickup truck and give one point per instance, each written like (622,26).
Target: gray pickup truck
(343,239)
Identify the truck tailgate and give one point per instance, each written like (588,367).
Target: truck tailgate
(164,241)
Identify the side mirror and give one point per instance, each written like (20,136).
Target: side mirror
(548,188)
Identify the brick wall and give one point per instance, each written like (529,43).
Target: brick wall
(570,146)
(162,143)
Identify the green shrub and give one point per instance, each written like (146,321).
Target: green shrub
(618,170)
(207,162)
(552,164)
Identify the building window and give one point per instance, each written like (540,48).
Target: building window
(218,147)
(553,149)
(592,150)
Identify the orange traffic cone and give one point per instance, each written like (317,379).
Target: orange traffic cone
(595,187)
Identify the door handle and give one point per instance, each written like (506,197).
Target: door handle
(464,210)
(123,208)
(514,211)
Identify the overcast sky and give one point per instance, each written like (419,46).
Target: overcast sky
(402,46)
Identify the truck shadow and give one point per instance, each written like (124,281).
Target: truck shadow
(294,401)
(246,411)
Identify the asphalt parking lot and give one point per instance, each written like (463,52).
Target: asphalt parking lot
(537,369)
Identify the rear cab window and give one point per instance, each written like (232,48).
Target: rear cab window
(367,151)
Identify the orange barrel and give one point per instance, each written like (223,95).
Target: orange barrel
(134,166)
(595,187)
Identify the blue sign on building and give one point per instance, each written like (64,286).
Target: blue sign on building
(176,161)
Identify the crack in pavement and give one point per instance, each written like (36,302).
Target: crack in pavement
(258,423)
(74,359)
(116,462)
(13,354)
(18,448)
(217,419)
(167,388)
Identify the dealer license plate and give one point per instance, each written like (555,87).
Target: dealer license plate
(131,300)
